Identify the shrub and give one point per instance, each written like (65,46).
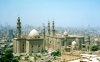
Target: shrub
(49,60)
(30,54)
(21,55)
(39,56)
(54,58)
(15,60)
(26,58)
(56,53)
(17,57)
(94,48)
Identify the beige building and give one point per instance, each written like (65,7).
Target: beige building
(34,43)
(31,43)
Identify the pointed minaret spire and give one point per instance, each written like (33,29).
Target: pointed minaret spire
(18,28)
(48,27)
(43,31)
(53,29)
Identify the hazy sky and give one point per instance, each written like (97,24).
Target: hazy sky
(65,12)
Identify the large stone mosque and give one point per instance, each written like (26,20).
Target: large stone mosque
(34,43)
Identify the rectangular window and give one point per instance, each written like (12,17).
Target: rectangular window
(62,43)
(32,51)
(32,45)
(50,41)
(38,45)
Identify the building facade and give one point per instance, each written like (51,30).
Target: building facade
(35,43)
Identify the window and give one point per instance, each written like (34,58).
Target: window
(62,43)
(32,45)
(50,41)
(32,51)
(38,45)
(83,46)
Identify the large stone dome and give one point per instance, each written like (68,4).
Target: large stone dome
(33,34)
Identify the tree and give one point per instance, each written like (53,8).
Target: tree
(30,54)
(2,59)
(35,58)
(49,60)
(15,60)
(39,56)
(56,53)
(8,54)
(94,48)
(54,58)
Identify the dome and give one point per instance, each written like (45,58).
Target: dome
(65,33)
(73,43)
(33,33)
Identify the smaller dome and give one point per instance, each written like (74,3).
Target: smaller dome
(73,43)
(65,33)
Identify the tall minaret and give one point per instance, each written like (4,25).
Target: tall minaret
(18,28)
(18,35)
(43,31)
(53,30)
(44,38)
(49,27)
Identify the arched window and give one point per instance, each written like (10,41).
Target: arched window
(32,51)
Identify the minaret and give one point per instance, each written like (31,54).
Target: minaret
(18,35)
(53,30)
(43,31)
(44,38)
(49,27)
(18,28)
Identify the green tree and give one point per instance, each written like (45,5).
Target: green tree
(8,54)
(39,56)
(15,60)
(49,60)
(56,53)
(94,48)
(35,58)
(30,54)
(2,59)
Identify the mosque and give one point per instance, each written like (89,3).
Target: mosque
(35,43)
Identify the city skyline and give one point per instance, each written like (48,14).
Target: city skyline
(65,13)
